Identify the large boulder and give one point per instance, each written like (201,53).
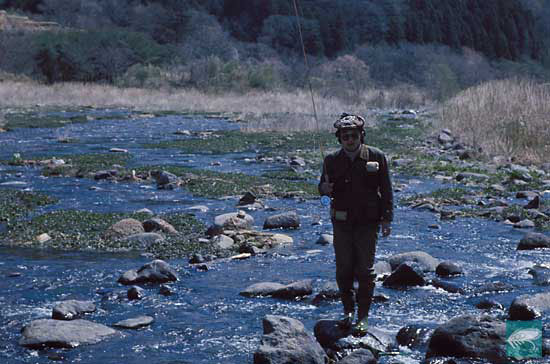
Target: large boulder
(223,241)
(286,340)
(157,271)
(63,334)
(470,336)
(234,221)
(286,220)
(530,306)
(534,241)
(331,335)
(72,309)
(124,228)
(406,274)
(157,224)
(165,180)
(325,239)
(425,260)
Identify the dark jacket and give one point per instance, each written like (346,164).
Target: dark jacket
(362,191)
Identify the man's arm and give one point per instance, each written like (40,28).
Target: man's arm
(325,187)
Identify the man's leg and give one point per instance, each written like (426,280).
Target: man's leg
(364,240)
(343,250)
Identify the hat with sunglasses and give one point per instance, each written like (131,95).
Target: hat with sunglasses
(349,121)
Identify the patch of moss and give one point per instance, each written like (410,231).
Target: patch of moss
(31,119)
(213,184)
(15,204)
(84,230)
(289,174)
(444,196)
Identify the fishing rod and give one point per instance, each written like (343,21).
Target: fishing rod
(325,200)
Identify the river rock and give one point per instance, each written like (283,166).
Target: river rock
(261,289)
(43,238)
(234,220)
(446,269)
(406,274)
(541,275)
(223,241)
(199,208)
(294,290)
(279,239)
(530,306)
(331,335)
(286,340)
(470,336)
(143,240)
(534,241)
(297,161)
(359,356)
(157,224)
(72,309)
(533,204)
(414,336)
(157,271)
(329,292)
(526,194)
(447,286)
(488,304)
(493,287)
(524,224)
(382,268)
(165,180)
(286,220)
(425,260)
(520,172)
(63,334)
(145,211)
(470,175)
(124,228)
(247,199)
(135,293)
(100,175)
(135,323)
(445,138)
(325,239)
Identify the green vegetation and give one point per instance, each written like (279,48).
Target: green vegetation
(15,204)
(83,164)
(23,119)
(83,230)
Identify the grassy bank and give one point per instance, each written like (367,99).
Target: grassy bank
(508,117)
(263,110)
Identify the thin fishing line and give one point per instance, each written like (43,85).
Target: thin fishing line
(308,78)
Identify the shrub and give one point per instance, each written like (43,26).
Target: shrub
(94,55)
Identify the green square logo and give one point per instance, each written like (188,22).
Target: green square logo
(524,339)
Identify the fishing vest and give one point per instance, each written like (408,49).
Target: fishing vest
(356,197)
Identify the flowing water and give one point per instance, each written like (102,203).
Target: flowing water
(206,321)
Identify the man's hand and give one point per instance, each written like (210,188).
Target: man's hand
(326,188)
(386,228)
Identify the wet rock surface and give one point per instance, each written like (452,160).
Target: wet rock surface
(135,323)
(157,271)
(63,334)
(72,309)
(285,340)
(470,336)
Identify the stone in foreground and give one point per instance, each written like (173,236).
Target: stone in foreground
(530,306)
(470,336)
(63,334)
(72,309)
(135,323)
(286,220)
(286,340)
(534,241)
(157,271)
(425,260)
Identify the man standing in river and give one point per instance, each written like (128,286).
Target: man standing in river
(357,179)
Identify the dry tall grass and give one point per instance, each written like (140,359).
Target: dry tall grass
(265,110)
(506,117)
